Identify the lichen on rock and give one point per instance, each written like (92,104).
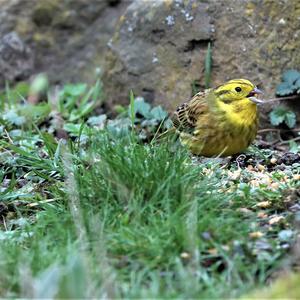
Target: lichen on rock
(159,46)
(157,51)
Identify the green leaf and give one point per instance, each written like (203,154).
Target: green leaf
(97,120)
(207,66)
(159,113)
(290,119)
(142,107)
(294,147)
(291,76)
(132,107)
(50,143)
(36,112)
(285,235)
(297,84)
(72,128)
(281,114)
(39,84)
(74,89)
(277,116)
(284,89)
(12,117)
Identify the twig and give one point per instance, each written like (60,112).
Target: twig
(40,202)
(8,137)
(286,142)
(269,143)
(277,129)
(280,148)
(280,99)
(4,223)
(268,130)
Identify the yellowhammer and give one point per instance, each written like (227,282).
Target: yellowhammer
(221,121)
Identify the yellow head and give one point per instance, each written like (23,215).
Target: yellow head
(237,89)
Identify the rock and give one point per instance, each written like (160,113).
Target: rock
(158,49)
(16,59)
(69,37)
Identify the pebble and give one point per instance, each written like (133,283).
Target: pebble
(256,234)
(261,167)
(263,204)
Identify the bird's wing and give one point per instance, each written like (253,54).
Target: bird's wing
(187,114)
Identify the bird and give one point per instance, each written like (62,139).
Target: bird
(221,121)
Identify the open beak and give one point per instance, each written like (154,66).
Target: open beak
(253,94)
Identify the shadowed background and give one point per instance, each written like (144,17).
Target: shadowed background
(154,47)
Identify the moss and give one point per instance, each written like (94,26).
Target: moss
(65,19)
(43,39)
(44,12)
(24,27)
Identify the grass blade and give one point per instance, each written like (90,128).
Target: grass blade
(208,66)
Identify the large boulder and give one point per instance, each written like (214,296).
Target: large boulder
(66,38)
(158,49)
(16,58)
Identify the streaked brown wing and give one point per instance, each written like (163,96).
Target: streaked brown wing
(186,115)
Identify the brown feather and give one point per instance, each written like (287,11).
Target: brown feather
(186,115)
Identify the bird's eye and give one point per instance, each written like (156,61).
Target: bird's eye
(238,89)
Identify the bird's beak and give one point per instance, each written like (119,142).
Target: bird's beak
(257,91)
(252,95)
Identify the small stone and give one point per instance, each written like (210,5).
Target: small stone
(285,235)
(256,234)
(275,220)
(261,167)
(262,244)
(263,204)
(273,160)
(206,235)
(261,215)
(275,185)
(225,247)
(285,246)
(254,183)
(212,251)
(250,167)
(282,21)
(295,207)
(296,177)
(185,255)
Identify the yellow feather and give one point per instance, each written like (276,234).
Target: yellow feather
(220,121)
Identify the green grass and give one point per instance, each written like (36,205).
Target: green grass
(129,219)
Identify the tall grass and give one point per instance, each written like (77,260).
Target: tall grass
(132,220)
